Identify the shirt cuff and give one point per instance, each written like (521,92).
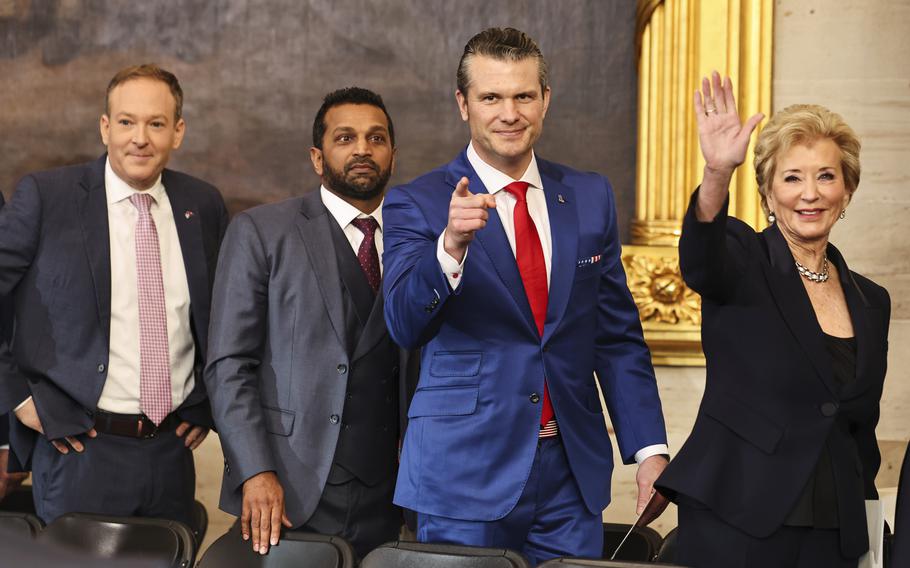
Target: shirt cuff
(21,404)
(648,451)
(450,267)
(4,447)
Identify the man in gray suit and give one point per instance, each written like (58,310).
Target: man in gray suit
(302,373)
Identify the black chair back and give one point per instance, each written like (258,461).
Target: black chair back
(419,555)
(23,525)
(295,549)
(667,551)
(585,563)
(110,537)
(200,522)
(642,545)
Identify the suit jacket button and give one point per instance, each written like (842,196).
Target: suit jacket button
(101,367)
(535,398)
(828,409)
(334,419)
(342,369)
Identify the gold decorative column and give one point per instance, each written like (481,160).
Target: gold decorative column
(680,41)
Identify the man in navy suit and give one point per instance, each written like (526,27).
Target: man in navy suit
(515,311)
(110,265)
(8,481)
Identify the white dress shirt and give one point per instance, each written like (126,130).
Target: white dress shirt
(494,181)
(343,213)
(121,389)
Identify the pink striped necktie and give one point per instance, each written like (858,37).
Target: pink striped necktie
(154,355)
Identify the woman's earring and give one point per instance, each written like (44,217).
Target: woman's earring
(843,214)
(772,218)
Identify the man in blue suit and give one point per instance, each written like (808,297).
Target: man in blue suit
(110,265)
(515,310)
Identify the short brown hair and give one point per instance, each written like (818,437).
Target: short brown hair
(146,71)
(503,44)
(804,124)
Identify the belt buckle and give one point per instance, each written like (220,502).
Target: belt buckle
(142,425)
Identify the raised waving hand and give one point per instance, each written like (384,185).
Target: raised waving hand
(723,138)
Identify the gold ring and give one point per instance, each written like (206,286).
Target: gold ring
(709,110)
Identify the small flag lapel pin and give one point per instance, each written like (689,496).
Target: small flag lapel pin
(560,198)
(188,214)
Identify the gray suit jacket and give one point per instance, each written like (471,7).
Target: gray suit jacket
(278,361)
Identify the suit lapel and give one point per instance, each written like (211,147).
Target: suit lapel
(564,236)
(92,207)
(189,233)
(793,301)
(373,330)
(859,314)
(494,242)
(315,231)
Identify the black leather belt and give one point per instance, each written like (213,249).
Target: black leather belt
(132,425)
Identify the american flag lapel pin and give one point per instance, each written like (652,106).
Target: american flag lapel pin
(560,198)
(188,214)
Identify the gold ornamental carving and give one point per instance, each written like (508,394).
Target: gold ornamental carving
(678,42)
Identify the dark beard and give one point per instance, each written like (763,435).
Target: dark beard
(364,189)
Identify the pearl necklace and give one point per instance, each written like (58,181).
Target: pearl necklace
(812,275)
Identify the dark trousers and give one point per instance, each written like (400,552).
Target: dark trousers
(361,514)
(116,475)
(549,520)
(705,541)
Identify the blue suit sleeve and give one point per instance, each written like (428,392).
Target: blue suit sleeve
(623,361)
(414,285)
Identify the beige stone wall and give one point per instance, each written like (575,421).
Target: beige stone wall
(852,56)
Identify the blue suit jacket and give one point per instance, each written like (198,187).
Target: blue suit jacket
(55,261)
(473,425)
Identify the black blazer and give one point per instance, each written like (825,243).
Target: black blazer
(55,261)
(770,398)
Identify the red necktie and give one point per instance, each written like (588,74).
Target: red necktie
(533,269)
(154,355)
(367,254)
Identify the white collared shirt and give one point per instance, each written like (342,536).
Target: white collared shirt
(343,213)
(494,181)
(121,389)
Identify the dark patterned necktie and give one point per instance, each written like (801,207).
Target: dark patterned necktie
(367,255)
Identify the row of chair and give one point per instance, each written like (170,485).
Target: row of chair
(173,544)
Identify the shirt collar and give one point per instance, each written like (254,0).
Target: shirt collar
(494,180)
(117,190)
(344,212)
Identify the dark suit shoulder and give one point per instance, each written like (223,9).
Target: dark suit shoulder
(279,213)
(188,183)
(878,295)
(62,178)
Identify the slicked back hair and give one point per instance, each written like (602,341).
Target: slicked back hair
(147,71)
(502,44)
(348,96)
